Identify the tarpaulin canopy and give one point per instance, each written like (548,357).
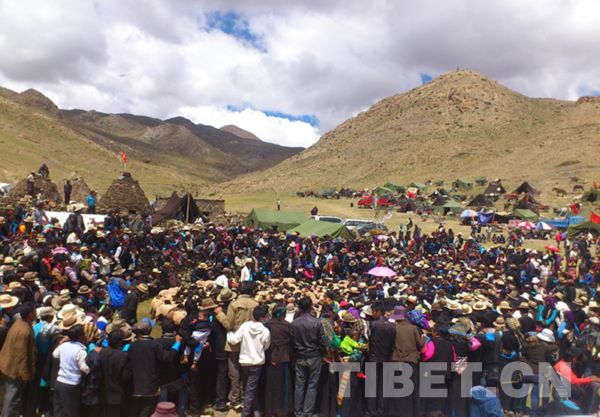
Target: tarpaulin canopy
(396,187)
(584,227)
(266,219)
(381,191)
(450,206)
(321,229)
(495,188)
(421,187)
(524,214)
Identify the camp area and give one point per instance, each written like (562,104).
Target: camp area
(269,219)
(322,229)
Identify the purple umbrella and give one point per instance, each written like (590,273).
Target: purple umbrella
(382,271)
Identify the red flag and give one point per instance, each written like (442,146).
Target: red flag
(574,208)
(124,157)
(594,218)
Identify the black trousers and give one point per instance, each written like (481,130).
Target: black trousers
(113,410)
(222,385)
(143,406)
(67,400)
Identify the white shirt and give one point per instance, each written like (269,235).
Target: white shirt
(71,356)
(255,339)
(245,275)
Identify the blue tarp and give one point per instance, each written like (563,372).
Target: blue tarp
(485,218)
(564,223)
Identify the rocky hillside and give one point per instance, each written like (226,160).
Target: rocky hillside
(459,125)
(239,132)
(164,155)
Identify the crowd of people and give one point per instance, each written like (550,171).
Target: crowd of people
(256,319)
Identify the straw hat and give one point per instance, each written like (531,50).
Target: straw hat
(14,285)
(8,301)
(479,306)
(453,306)
(466,309)
(30,276)
(499,322)
(69,321)
(143,288)
(504,305)
(207,304)
(120,324)
(348,317)
(62,299)
(83,290)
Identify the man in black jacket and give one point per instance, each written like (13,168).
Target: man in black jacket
(173,383)
(383,337)
(115,374)
(132,300)
(309,343)
(146,356)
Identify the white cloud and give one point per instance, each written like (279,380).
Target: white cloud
(268,128)
(328,59)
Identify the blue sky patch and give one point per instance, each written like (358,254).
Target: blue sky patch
(584,90)
(234,25)
(311,119)
(425,78)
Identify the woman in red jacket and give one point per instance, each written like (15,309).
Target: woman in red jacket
(583,390)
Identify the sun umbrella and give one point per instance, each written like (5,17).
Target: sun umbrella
(551,248)
(468,213)
(543,226)
(382,271)
(526,225)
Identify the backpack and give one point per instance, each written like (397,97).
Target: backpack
(116,294)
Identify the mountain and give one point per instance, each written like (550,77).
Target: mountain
(239,132)
(164,155)
(459,125)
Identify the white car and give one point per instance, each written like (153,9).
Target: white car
(328,219)
(359,224)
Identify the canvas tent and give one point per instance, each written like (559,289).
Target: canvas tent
(584,227)
(526,188)
(178,208)
(267,219)
(495,188)
(524,214)
(450,207)
(480,201)
(463,185)
(592,196)
(320,229)
(382,191)
(440,200)
(395,187)
(420,187)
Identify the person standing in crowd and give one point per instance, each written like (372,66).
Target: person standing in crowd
(68,188)
(132,301)
(116,374)
(72,355)
(309,344)
(17,359)
(91,202)
(278,389)
(254,339)
(238,312)
(145,358)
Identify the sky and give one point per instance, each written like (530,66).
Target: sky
(288,70)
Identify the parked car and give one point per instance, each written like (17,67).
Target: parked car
(363,226)
(367,201)
(329,219)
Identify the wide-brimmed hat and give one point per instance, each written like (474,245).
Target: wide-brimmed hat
(523,305)
(202,265)
(453,306)
(479,306)
(499,322)
(399,313)
(348,317)
(143,288)
(69,321)
(8,260)
(8,301)
(83,290)
(354,290)
(578,302)
(67,310)
(14,285)
(207,304)
(504,305)
(30,276)
(119,270)
(120,324)
(226,295)
(546,335)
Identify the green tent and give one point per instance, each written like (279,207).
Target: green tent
(381,191)
(321,229)
(450,207)
(421,187)
(396,187)
(462,185)
(267,219)
(524,214)
(583,227)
